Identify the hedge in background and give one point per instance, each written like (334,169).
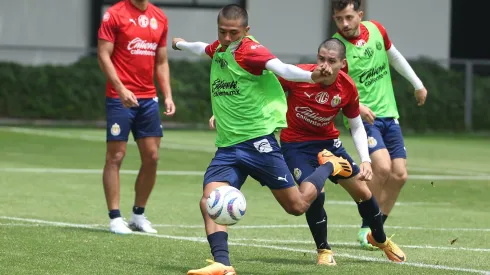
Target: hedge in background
(77,92)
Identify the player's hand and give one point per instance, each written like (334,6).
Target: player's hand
(212,123)
(321,73)
(128,99)
(169,107)
(421,95)
(366,172)
(174,43)
(366,114)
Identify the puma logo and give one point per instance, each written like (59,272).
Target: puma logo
(308,95)
(283,179)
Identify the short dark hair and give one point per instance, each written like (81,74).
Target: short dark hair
(333,44)
(338,5)
(234,12)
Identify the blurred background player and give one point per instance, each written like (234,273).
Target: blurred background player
(249,105)
(312,109)
(369,54)
(131,48)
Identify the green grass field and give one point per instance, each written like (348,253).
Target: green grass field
(53,217)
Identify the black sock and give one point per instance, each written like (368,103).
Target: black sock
(218,242)
(320,176)
(138,210)
(365,223)
(317,221)
(384,218)
(370,212)
(114,213)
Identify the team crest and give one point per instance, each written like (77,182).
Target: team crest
(153,23)
(336,101)
(143,21)
(115,129)
(297,173)
(372,142)
(322,97)
(379,46)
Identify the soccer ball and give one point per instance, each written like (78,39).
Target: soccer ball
(226,205)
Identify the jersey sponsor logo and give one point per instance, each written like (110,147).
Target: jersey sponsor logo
(322,97)
(306,114)
(254,47)
(372,75)
(143,21)
(225,88)
(139,46)
(297,173)
(336,101)
(115,129)
(106,16)
(153,23)
(263,146)
(372,142)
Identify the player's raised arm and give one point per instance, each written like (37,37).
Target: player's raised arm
(296,74)
(401,65)
(197,48)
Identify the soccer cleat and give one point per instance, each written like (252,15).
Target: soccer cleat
(341,166)
(325,257)
(119,226)
(141,223)
(362,239)
(213,268)
(392,251)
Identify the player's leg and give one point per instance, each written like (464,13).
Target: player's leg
(398,173)
(380,162)
(119,120)
(147,132)
(369,210)
(301,159)
(222,171)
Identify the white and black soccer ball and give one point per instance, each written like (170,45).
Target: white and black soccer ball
(226,205)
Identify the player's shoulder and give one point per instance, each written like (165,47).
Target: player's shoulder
(250,44)
(378,24)
(307,67)
(158,12)
(115,11)
(345,80)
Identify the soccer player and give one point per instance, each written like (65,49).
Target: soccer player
(132,47)
(312,109)
(249,106)
(369,56)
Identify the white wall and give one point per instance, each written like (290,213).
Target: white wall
(43,23)
(416,27)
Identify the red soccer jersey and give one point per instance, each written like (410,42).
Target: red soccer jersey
(136,36)
(364,37)
(312,108)
(249,54)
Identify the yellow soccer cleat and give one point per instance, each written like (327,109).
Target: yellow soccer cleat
(340,166)
(213,268)
(325,257)
(392,251)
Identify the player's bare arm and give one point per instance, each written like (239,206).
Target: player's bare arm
(401,65)
(197,48)
(104,53)
(163,77)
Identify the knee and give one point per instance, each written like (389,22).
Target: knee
(296,209)
(115,158)
(150,159)
(400,177)
(382,170)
